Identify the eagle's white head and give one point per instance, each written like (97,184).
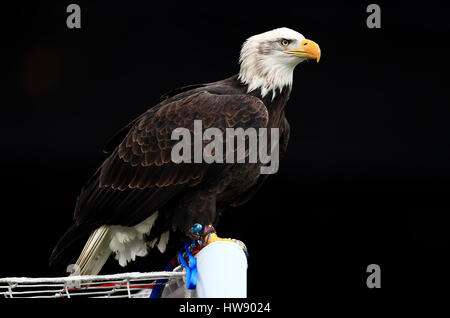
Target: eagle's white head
(268,59)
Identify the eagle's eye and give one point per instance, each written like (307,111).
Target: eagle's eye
(284,42)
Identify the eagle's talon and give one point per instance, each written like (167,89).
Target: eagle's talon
(212,237)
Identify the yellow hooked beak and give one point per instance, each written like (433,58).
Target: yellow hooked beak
(309,49)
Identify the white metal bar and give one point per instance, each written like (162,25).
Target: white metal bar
(67,291)
(111,296)
(54,296)
(35,291)
(37,285)
(87,278)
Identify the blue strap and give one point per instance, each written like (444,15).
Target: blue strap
(159,285)
(191,267)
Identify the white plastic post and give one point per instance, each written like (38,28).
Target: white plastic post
(222,271)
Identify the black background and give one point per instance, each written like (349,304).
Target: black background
(366,177)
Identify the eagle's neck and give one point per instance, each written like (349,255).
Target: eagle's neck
(265,75)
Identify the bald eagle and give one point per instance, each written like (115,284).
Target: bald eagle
(138,197)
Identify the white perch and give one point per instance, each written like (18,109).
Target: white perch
(222,271)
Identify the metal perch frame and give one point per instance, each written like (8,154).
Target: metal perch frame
(222,272)
(126,285)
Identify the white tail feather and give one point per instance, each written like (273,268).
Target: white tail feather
(95,253)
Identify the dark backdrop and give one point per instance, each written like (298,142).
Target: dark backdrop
(366,177)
